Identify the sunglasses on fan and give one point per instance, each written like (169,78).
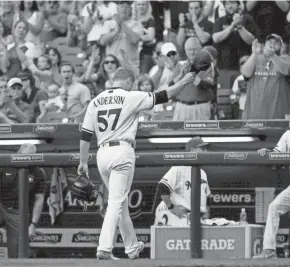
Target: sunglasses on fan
(109,61)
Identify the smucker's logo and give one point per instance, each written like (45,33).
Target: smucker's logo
(254,124)
(44,128)
(236,155)
(76,157)
(148,125)
(5,128)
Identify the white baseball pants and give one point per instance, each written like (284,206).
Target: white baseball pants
(279,206)
(116,165)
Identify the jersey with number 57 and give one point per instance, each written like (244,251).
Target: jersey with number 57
(113,114)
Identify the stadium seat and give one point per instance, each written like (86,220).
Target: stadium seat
(54,117)
(59,42)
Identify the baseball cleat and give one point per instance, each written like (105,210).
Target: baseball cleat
(267,254)
(104,255)
(135,254)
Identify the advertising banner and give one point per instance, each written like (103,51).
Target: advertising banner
(228,202)
(231,242)
(82,238)
(143,200)
(142,203)
(281,241)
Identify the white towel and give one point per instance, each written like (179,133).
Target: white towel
(219,222)
(56,199)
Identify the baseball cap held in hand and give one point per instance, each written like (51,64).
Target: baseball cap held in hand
(202,61)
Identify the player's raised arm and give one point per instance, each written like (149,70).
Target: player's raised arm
(202,62)
(176,88)
(140,101)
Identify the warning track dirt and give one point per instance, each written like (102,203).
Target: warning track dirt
(144,263)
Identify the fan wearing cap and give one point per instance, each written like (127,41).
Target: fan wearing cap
(194,101)
(175,190)
(267,71)
(169,51)
(166,58)
(16,110)
(239,92)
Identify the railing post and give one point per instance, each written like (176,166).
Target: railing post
(195,214)
(23,214)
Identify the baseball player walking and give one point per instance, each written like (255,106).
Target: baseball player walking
(279,206)
(113,117)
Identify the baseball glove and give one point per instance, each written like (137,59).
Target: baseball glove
(84,189)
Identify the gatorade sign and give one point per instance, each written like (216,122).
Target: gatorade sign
(206,244)
(218,242)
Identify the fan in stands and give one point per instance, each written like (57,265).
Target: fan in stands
(84,189)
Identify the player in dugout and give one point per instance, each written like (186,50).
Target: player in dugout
(279,206)
(175,190)
(9,204)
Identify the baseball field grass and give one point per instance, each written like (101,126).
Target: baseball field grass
(144,263)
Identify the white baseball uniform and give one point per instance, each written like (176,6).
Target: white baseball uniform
(178,180)
(113,116)
(280,205)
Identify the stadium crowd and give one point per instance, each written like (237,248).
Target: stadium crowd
(55,56)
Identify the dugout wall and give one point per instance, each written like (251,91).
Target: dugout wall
(65,138)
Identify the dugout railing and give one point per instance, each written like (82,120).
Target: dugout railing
(56,135)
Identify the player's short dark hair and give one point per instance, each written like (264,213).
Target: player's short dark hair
(195,142)
(123,74)
(65,64)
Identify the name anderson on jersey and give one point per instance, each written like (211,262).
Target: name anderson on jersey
(109,100)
